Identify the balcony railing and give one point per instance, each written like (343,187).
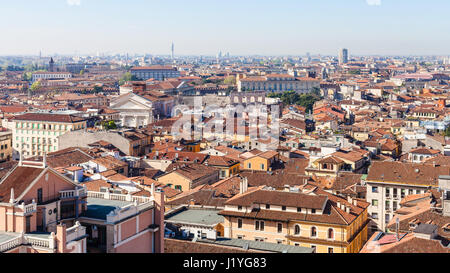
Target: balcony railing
(75,232)
(10,244)
(33,240)
(28,209)
(119,197)
(40,242)
(81,192)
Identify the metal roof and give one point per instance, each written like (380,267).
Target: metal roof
(262,246)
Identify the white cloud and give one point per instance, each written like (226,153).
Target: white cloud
(373,2)
(74,2)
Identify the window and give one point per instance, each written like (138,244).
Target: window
(375,189)
(280,227)
(261,226)
(313,232)
(313,211)
(239,223)
(39,195)
(375,215)
(283,208)
(257,225)
(330,250)
(297,230)
(178,187)
(249,165)
(267,206)
(239,207)
(375,203)
(240,237)
(299,209)
(262,166)
(330,233)
(314,248)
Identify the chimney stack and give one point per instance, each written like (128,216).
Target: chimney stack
(61,233)
(243,185)
(11,198)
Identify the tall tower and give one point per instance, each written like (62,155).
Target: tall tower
(343,56)
(51,65)
(173,51)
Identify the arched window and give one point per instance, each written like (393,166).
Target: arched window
(313,232)
(297,230)
(330,233)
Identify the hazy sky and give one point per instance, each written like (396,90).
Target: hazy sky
(241,27)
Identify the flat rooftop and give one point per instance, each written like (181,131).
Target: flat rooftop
(196,216)
(262,246)
(98,208)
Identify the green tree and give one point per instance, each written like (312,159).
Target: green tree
(109,125)
(35,86)
(291,97)
(98,89)
(447,132)
(127,77)
(230,80)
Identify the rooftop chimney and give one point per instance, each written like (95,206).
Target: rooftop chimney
(11,198)
(243,185)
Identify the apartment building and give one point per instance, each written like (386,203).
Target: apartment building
(186,177)
(5,144)
(38,211)
(50,76)
(37,133)
(389,182)
(277,83)
(124,223)
(314,219)
(156,72)
(43,211)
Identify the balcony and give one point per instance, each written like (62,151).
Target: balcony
(126,212)
(75,233)
(119,197)
(46,241)
(28,209)
(81,192)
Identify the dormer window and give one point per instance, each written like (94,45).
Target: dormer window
(267,206)
(283,208)
(313,211)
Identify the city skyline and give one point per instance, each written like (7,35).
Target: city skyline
(70,27)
